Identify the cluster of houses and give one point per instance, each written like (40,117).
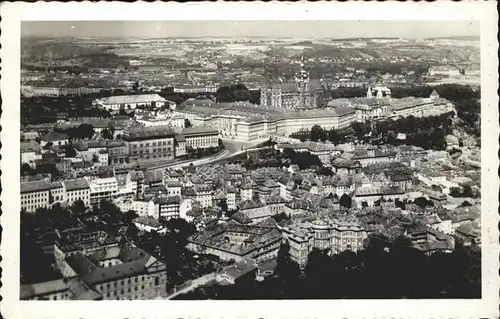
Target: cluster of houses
(229,194)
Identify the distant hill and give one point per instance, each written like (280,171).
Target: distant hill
(302,43)
(337,52)
(457,37)
(364,38)
(57,50)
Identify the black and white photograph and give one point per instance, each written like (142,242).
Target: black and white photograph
(232,160)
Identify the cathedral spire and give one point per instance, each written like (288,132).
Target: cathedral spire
(302,74)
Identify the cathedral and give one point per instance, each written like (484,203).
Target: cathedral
(302,93)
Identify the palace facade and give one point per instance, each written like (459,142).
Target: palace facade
(248,122)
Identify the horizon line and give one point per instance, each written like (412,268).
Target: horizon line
(248,36)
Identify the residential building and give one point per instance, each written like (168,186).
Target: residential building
(130,102)
(372,155)
(180,145)
(55,139)
(246,191)
(175,121)
(116,272)
(56,192)
(174,187)
(149,143)
(369,195)
(76,189)
(229,241)
(231,198)
(444,70)
(135,183)
(35,195)
(200,137)
(348,234)
(300,242)
(68,288)
(30,154)
(195,89)
(203,194)
(29,136)
(145,207)
(148,224)
(117,152)
(103,189)
(332,234)
(168,207)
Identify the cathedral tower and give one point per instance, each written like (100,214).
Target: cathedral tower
(302,84)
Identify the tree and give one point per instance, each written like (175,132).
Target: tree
(108,133)
(317,133)
(95,158)
(325,171)
(399,204)
(110,213)
(84,131)
(345,201)
(422,202)
(78,207)
(237,92)
(465,204)
(333,136)
(49,168)
(135,86)
(222,204)
(359,129)
(26,169)
(467,191)
(187,123)
(69,150)
(455,192)
(286,269)
(132,231)
(281,217)
(129,216)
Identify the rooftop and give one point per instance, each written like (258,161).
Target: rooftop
(37,186)
(148,221)
(141,133)
(43,288)
(30,147)
(124,99)
(375,191)
(134,262)
(54,136)
(75,184)
(199,130)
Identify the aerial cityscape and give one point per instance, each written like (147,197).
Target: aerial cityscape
(243,163)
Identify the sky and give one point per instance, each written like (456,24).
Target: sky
(272,29)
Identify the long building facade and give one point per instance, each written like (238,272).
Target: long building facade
(247,122)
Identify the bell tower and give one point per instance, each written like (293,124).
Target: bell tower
(302,83)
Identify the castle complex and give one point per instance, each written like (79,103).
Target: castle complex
(301,93)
